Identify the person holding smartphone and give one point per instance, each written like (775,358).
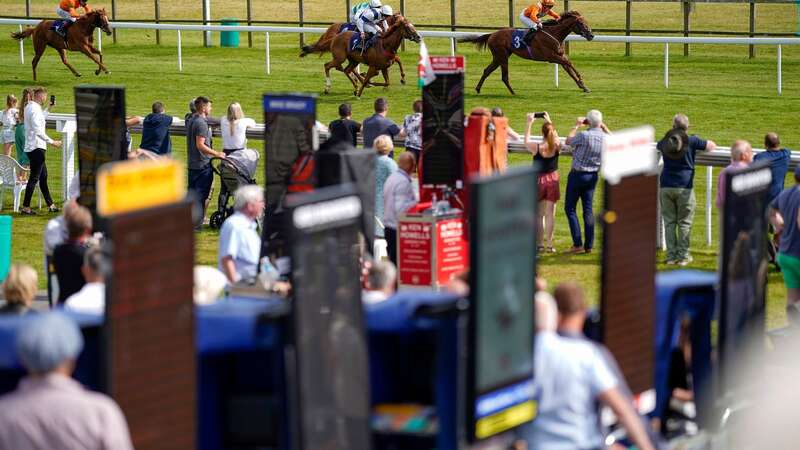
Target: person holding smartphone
(545,156)
(587,146)
(36,140)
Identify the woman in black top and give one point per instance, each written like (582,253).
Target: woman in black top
(545,156)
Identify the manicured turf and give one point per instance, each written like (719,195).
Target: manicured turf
(726,95)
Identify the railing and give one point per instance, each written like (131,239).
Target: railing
(66,125)
(452,35)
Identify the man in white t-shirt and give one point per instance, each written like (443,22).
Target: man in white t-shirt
(571,375)
(91,299)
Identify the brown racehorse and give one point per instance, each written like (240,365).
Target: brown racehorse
(323,45)
(379,56)
(79,38)
(547,45)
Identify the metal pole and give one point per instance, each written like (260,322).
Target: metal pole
(666,65)
(28,9)
(302,36)
(780,80)
(99,40)
(511,13)
(158,20)
(180,56)
(453,26)
(249,23)
(686,11)
(627,26)
(347,11)
(22,50)
(555,71)
(709,185)
(206,20)
(266,52)
(752,27)
(566,44)
(113,19)
(402,13)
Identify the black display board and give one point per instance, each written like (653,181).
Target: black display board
(149,325)
(743,278)
(288,132)
(331,407)
(499,384)
(442,156)
(344,164)
(628,277)
(100,115)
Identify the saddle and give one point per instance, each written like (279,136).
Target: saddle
(60,27)
(347,27)
(520,38)
(357,44)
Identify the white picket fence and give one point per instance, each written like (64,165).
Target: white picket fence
(451,35)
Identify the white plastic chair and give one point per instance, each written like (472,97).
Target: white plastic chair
(9,179)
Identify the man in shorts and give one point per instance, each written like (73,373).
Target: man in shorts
(783,214)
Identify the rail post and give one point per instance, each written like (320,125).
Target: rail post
(157,12)
(266,52)
(666,65)
(452,26)
(709,187)
(687,8)
(627,26)
(114,19)
(99,40)
(300,12)
(511,13)
(180,53)
(206,20)
(21,49)
(249,23)
(752,27)
(780,77)
(555,73)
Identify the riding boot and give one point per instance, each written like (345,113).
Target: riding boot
(529,35)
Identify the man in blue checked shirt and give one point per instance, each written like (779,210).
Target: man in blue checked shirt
(587,148)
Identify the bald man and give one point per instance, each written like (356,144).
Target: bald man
(398,197)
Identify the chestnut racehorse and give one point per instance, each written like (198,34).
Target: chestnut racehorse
(323,45)
(79,38)
(546,45)
(379,56)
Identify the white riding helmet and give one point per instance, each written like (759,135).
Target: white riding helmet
(386,10)
(375,3)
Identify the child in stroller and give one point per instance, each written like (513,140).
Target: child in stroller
(236,170)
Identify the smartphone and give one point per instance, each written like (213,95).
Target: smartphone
(586,121)
(538,115)
(52,100)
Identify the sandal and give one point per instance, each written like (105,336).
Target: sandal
(551,250)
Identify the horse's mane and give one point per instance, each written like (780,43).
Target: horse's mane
(566,15)
(91,15)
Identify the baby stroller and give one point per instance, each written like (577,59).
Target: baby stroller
(238,169)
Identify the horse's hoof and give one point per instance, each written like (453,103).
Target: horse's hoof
(478,91)
(402,81)
(97,72)
(77,75)
(586,90)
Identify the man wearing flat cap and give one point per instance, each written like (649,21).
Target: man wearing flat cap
(49,410)
(677,182)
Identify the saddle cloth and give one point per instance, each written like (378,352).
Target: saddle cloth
(355,42)
(57,24)
(347,27)
(518,39)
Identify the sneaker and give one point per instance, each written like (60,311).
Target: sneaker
(671,262)
(588,250)
(685,261)
(575,250)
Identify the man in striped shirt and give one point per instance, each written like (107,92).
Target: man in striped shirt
(587,148)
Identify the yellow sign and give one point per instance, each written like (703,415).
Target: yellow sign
(505,419)
(132,185)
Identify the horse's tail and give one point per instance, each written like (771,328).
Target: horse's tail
(20,35)
(479,41)
(321,46)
